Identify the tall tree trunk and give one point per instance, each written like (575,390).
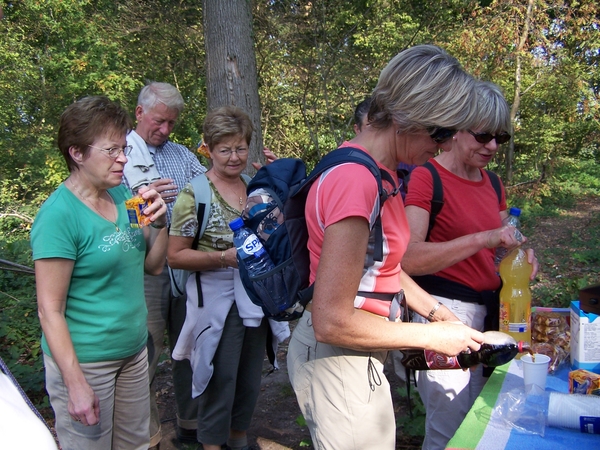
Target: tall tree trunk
(517,99)
(231,76)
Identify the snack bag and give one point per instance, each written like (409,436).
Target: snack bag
(582,381)
(551,336)
(135,206)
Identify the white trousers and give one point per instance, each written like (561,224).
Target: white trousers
(449,394)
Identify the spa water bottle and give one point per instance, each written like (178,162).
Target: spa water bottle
(515,295)
(512,220)
(250,250)
(497,349)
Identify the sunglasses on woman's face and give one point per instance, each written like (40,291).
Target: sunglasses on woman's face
(440,135)
(484,138)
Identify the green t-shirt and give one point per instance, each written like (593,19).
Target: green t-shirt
(105,309)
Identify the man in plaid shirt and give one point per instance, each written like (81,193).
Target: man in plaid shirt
(167,167)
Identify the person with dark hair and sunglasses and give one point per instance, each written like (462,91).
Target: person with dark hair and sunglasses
(456,263)
(360,115)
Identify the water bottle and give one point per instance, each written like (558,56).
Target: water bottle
(497,349)
(515,295)
(513,221)
(250,250)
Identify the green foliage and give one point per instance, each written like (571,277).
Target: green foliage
(567,180)
(575,263)
(287,390)
(569,267)
(19,326)
(301,421)
(316,60)
(412,425)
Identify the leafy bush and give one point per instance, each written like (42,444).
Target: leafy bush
(412,425)
(19,326)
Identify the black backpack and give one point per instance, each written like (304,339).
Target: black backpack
(275,213)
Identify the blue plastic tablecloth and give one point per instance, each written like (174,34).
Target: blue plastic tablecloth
(481,430)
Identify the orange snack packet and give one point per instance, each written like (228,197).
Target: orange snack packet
(582,381)
(135,206)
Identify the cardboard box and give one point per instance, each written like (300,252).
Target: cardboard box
(585,339)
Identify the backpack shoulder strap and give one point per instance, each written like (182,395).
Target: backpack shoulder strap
(357,156)
(495,184)
(437,198)
(202,197)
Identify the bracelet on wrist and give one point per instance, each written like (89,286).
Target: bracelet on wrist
(223,264)
(433,311)
(158,226)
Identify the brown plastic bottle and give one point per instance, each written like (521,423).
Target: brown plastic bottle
(497,349)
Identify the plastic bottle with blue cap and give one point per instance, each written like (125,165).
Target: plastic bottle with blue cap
(513,221)
(250,250)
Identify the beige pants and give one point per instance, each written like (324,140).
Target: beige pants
(122,388)
(343,394)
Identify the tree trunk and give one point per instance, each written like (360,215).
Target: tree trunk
(231,77)
(517,99)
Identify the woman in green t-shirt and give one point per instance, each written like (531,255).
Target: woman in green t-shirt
(89,266)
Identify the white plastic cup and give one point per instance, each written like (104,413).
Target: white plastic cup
(575,411)
(535,372)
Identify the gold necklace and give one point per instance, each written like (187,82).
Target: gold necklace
(232,191)
(86,199)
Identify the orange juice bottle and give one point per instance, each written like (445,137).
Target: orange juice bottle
(515,296)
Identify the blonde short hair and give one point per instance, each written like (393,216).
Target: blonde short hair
(225,122)
(423,87)
(493,112)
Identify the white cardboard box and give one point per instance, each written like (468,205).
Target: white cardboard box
(585,339)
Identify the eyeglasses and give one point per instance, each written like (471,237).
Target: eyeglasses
(484,138)
(440,135)
(229,151)
(114,152)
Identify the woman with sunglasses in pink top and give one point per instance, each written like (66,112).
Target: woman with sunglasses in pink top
(338,348)
(454,259)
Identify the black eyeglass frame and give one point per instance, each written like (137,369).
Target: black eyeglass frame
(484,138)
(441,135)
